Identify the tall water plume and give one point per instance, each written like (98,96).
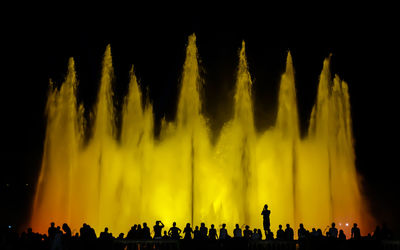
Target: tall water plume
(182,176)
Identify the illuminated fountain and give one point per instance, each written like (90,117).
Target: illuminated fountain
(182,176)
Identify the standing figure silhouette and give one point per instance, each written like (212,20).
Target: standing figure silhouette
(266,222)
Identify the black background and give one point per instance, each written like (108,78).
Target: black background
(38,40)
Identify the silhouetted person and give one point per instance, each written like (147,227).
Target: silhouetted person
(105,235)
(247,232)
(119,245)
(212,234)
(146,232)
(57,242)
(314,234)
(342,236)
(289,233)
(196,233)
(256,235)
(67,231)
(355,232)
(377,234)
(270,236)
(174,232)
(259,232)
(165,236)
(237,232)
(280,234)
(333,232)
(132,233)
(51,231)
(319,233)
(223,233)
(76,236)
(29,235)
(203,231)
(266,222)
(188,232)
(139,232)
(157,230)
(83,232)
(22,237)
(302,232)
(87,232)
(67,236)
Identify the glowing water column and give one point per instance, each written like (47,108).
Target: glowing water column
(182,176)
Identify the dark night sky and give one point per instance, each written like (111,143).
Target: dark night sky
(36,46)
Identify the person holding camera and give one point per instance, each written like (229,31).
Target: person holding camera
(157,230)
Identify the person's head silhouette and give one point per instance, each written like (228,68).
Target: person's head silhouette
(223,225)
(174,224)
(237,225)
(333,224)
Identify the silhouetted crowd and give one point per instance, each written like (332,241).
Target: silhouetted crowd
(62,238)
